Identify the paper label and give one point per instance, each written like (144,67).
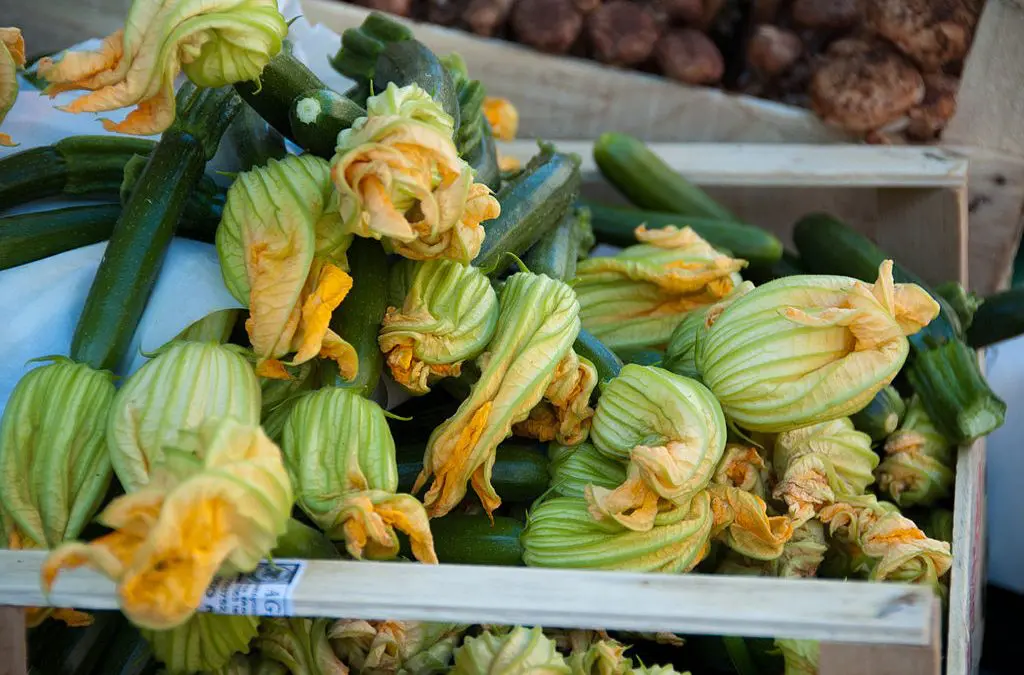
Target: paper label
(266,591)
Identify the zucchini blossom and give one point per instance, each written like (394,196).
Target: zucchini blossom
(12,57)
(53,454)
(680,355)
(742,523)
(206,642)
(521,651)
(282,254)
(806,349)
(884,545)
(301,645)
(537,326)
(170,396)
(442,313)
(820,463)
(573,468)
(213,509)
(560,532)
(565,413)
(341,458)
(598,656)
(804,552)
(671,431)
(396,647)
(635,299)
(919,460)
(54,462)
(800,656)
(399,178)
(215,42)
(743,467)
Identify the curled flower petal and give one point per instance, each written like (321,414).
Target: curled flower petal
(282,252)
(744,525)
(806,349)
(215,511)
(412,102)
(743,467)
(445,313)
(341,457)
(536,327)
(12,57)
(399,178)
(804,552)
(918,467)
(560,532)
(502,116)
(636,298)
(216,43)
(669,428)
(565,413)
(819,463)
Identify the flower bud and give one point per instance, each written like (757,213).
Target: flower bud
(522,651)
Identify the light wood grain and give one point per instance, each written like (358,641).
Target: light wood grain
(854,659)
(13,651)
(689,603)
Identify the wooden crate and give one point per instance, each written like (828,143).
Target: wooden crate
(571,98)
(914,201)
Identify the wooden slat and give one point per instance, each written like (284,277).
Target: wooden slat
(13,650)
(790,165)
(696,604)
(854,659)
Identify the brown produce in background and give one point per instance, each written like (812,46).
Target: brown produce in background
(622,33)
(689,56)
(550,26)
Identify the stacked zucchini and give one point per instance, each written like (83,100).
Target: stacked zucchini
(652,410)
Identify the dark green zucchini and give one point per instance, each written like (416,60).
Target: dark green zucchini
(147,223)
(421,415)
(787,266)
(520,472)
(642,357)
(410,62)
(1000,317)
(34,236)
(360,47)
(558,251)
(608,364)
(57,649)
(531,204)
(77,165)
(643,177)
(464,539)
(282,95)
(942,369)
(615,225)
(255,142)
(358,318)
(964,304)
(484,159)
(882,415)
(202,210)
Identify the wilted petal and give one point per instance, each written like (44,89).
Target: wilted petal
(216,43)
(743,524)
(565,413)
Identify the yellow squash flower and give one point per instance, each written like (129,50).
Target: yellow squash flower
(560,532)
(215,42)
(565,413)
(883,544)
(804,552)
(282,254)
(521,651)
(214,509)
(396,647)
(12,57)
(806,349)
(743,467)
(919,461)
(537,326)
(592,655)
(442,313)
(820,463)
(635,299)
(204,643)
(170,396)
(502,116)
(399,178)
(573,468)
(742,523)
(670,430)
(301,645)
(341,458)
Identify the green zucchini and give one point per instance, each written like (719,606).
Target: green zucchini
(608,364)
(615,225)
(558,251)
(520,472)
(464,539)
(1000,317)
(420,416)
(882,415)
(643,177)
(411,62)
(358,318)
(144,230)
(288,92)
(77,165)
(202,210)
(964,304)
(255,142)
(33,236)
(531,204)
(57,649)
(787,266)
(942,369)
(484,159)
(642,357)
(357,57)
(128,653)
